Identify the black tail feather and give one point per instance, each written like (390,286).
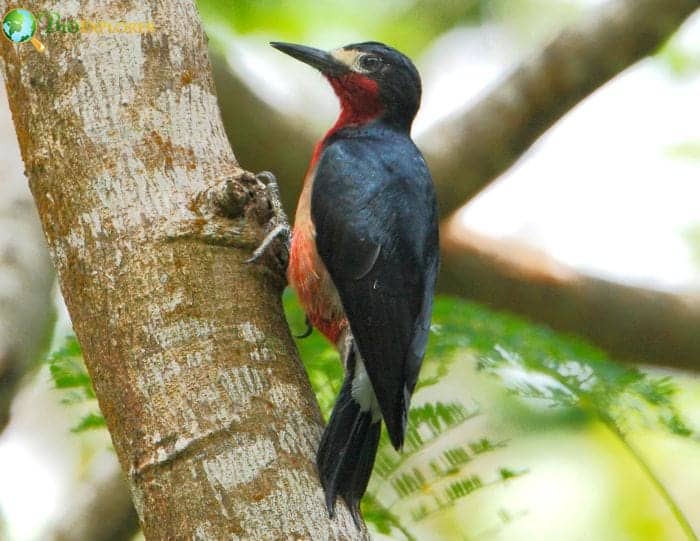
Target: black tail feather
(347,451)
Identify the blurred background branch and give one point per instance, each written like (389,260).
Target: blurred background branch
(26,274)
(100,509)
(270,136)
(468,150)
(631,323)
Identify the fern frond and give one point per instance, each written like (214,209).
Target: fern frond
(457,490)
(532,361)
(427,423)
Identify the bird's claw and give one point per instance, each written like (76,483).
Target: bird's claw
(278,230)
(278,220)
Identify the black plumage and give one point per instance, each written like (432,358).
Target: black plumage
(373,191)
(375,231)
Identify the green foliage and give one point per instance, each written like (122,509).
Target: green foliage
(426,424)
(534,363)
(69,374)
(68,370)
(407,25)
(90,421)
(439,466)
(426,485)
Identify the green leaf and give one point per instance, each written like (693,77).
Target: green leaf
(464,487)
(91,421)
(410,26)
(70,376)
(68,370)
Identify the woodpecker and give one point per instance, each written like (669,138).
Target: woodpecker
(364,254)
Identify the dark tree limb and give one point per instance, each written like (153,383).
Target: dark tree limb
(270,140)
(633,324)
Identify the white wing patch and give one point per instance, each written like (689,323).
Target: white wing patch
(362,391)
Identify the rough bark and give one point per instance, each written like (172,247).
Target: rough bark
(101,510)
(149,219)
(26,275)
(469,150)
(631,323)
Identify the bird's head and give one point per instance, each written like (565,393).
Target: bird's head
(372,81)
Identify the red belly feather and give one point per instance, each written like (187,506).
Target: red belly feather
(308,275)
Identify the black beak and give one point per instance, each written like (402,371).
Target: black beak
(321,60)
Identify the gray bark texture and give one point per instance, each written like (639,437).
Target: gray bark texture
(149,219)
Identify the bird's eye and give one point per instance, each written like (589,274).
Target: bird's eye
(369,63)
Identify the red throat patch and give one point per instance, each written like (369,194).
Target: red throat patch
(359,103)
(359,99)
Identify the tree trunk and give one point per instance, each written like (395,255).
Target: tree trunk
(149,219)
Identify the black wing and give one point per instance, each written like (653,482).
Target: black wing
(374,209)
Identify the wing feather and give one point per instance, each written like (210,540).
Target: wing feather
(376,232)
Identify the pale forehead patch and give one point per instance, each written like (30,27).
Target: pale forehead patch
(346,56)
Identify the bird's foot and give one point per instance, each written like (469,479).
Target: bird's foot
(280,230)
(278,222)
